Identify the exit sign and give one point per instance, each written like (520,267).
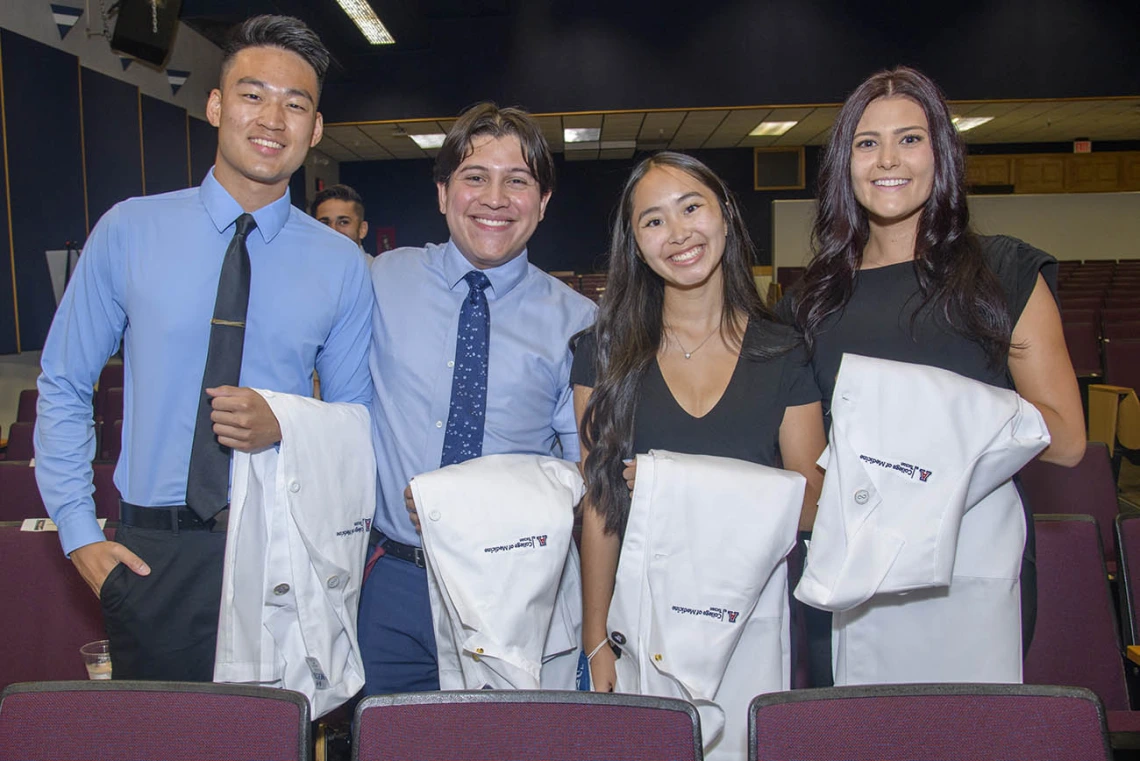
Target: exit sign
(1082,146)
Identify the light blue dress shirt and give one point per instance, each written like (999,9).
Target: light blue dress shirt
(149,276)
(530,410)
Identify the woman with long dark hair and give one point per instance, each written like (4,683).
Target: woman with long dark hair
(684,357)
(898,274)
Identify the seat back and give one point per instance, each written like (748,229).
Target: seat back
(1084,351)
(169,720)
(19,494)
(1087,489)
(789,276)
(934,722)
(1122,363)
(1075,641)
(48,610)
(522,725)
(106,493)
(1121,330)
(20,442)
(26,412)
(1128,540)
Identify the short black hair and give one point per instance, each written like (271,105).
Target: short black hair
(489,119)
(338,193)
(284,32)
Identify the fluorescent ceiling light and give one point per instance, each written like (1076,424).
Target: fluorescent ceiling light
(366,21)
(434,140)
(581,134)
(768,129)
(964,123)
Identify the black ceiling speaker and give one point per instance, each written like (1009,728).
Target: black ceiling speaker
(145,29)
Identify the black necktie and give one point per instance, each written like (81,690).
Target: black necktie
(208,482)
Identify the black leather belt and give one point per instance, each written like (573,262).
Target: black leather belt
(173,518)
(401,551)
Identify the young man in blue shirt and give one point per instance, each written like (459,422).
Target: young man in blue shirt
(159,275)
(446,392)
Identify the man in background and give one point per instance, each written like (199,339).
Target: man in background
(341,208)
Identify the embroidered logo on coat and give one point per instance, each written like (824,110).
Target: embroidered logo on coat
(904,469)
(362,526)
(526,542)
(717,614)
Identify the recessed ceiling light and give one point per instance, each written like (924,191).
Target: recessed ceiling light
(964,123)
(367,21)
(768,129)
(434,140)
(581,134)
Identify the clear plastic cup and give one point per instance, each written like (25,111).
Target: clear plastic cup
(97,658)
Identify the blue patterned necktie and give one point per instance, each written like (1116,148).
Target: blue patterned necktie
(464,437)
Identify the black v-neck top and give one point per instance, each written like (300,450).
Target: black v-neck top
(744,424)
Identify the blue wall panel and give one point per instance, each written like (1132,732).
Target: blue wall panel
(203,148)
(164,146)
(111,138)
(41,97)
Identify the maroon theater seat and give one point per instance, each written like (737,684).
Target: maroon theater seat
(1084,349)
(19,495)
(174,721)
(49,612)
(106,493)
(789,276)
(1076,640)
(932,722)
(20,443)
(1121,330)
(1087,489)
(1122,363)
(525,725)
(26,413)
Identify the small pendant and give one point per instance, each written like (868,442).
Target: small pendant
(688,354)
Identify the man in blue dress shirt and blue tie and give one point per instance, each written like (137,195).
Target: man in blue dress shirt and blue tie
(470,357)
(213,291)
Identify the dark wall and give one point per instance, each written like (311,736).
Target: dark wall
(166,164)
(575,233)
(41,102)
(56,143)
(112,142)
(203,148)
(586,55)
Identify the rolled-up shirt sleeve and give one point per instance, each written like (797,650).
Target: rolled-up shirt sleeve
(86,331)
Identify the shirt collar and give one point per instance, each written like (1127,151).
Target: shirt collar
(224,210)
(503,278)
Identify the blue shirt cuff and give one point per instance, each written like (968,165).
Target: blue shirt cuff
(79,531)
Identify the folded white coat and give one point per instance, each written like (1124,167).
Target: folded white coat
(700,604)
(298,532)
(503,573)
(918,540)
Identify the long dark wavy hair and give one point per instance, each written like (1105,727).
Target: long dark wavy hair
(953,277)
(629,331)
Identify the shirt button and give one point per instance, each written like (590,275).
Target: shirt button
(862,496)
(294,486)
(451,363)
(333,582)
(281,589)
(439,424)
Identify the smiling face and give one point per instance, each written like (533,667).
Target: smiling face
(266,115)
(492,202)
(892,161)
(344,217)
(679,227)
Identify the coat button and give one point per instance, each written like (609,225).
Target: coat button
(333,582)
(862,496)
(294,486)
(434,515)
(281,589)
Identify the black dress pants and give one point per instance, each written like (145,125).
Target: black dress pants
(164,626)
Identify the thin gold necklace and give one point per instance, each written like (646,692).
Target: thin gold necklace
(688,354)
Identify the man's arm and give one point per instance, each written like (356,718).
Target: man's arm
(342,361)
(85,332)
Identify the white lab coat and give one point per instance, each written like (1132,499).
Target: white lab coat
(503,573)
(700,603)
(298,533)
(918,540)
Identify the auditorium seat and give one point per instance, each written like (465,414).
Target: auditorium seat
(110,407)
(1087,489)
(789,276)
(49,611)
(525,725)
(111,441)
(106,493)
(19,495)
(1076,640)
(1084,348)
(1122,363)
(1121,330)
(932,722)
(20,443)
(175,721)
(26,412)
(1128,540)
